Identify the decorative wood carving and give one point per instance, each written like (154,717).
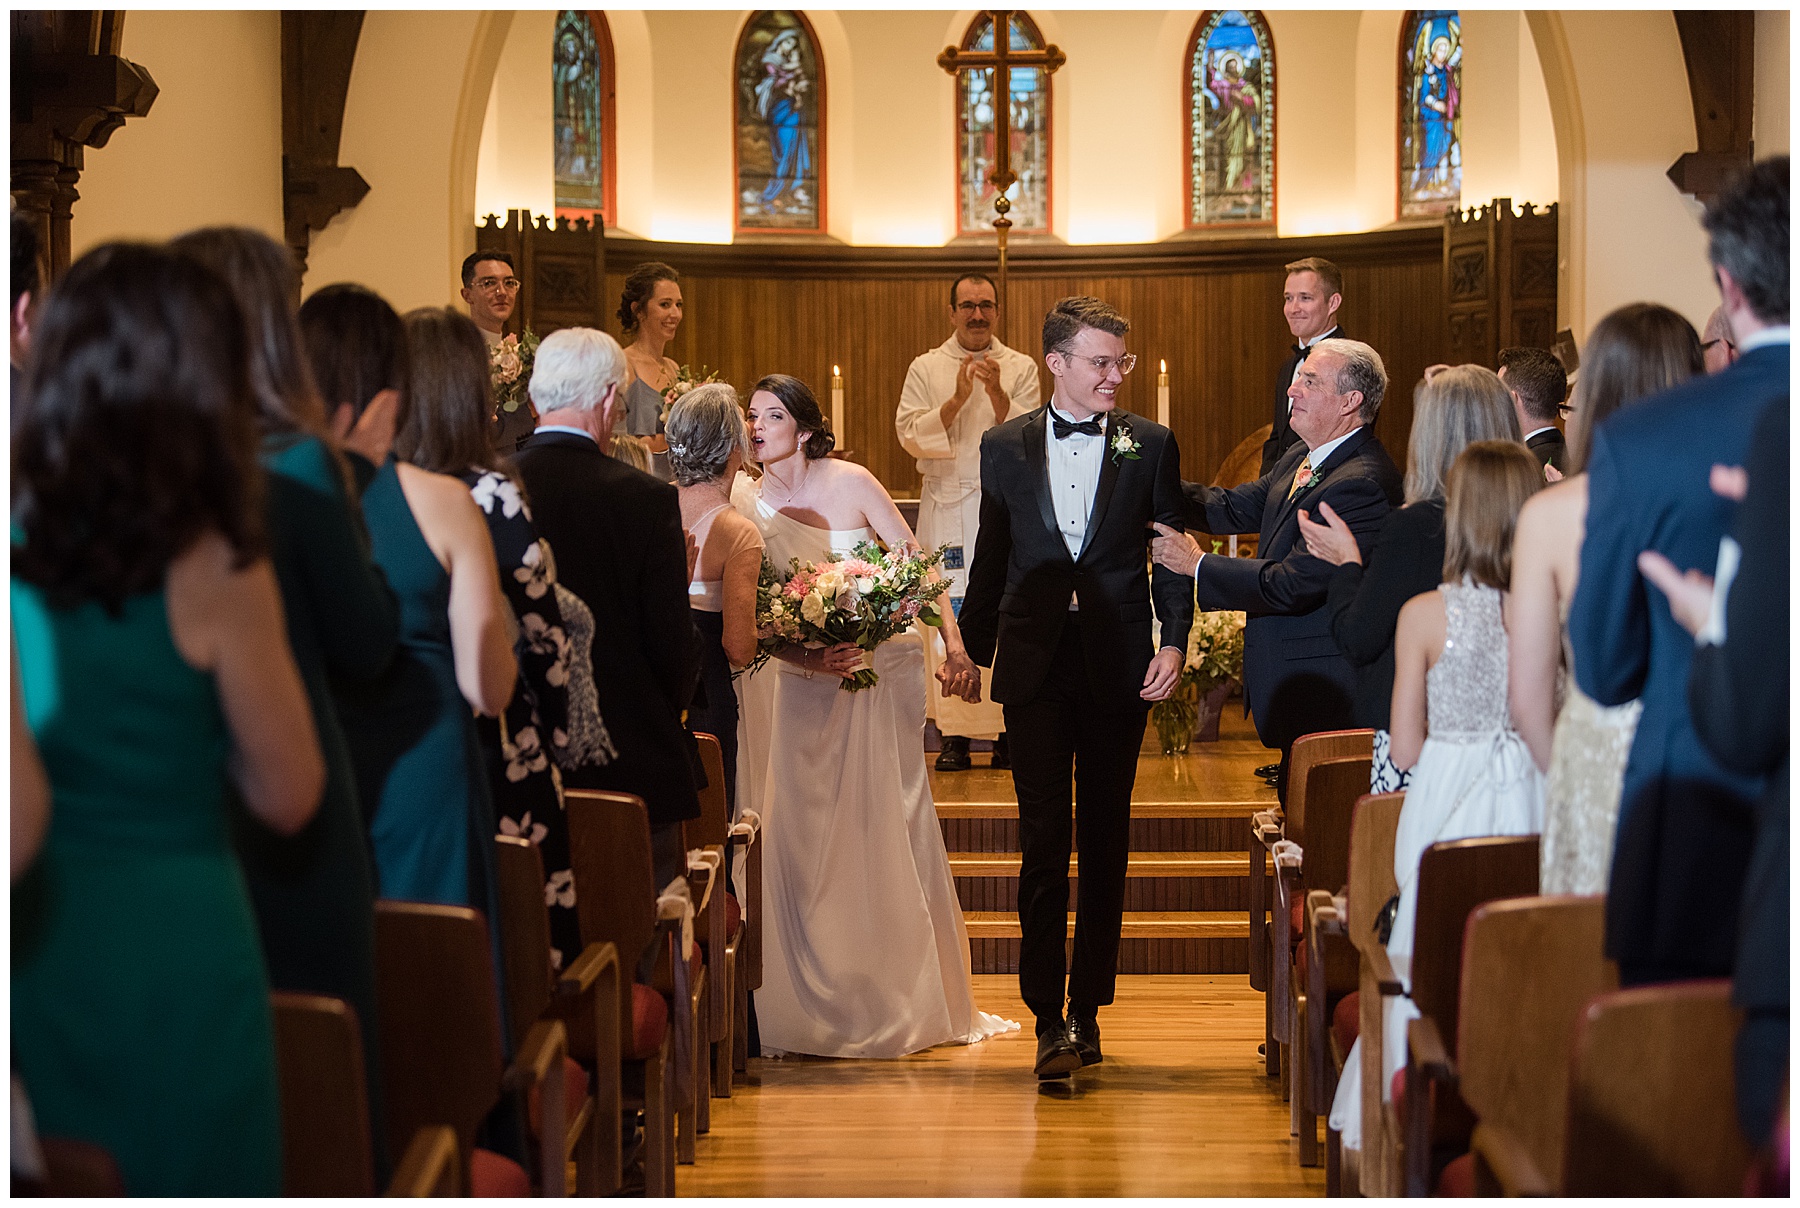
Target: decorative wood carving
(318,50)
(561,266)
(1720,50)
(71,91)
(1499,280)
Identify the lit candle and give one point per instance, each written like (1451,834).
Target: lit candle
(837,405)
(1162,393)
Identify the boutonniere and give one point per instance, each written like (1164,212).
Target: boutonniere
(1124,445)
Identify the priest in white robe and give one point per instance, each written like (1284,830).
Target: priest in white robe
(953,394)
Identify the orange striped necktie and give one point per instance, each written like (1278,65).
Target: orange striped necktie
(1302,477)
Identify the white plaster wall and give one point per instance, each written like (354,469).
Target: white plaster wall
(209,151)
(898,113)
(517,165)
(1772,113)
(1321,135)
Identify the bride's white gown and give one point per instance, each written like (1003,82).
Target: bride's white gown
(864,949)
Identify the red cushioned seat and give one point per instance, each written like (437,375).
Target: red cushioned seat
(1397,1092)
(575,1087)
(1296,919)
(1458,1178)
(649,1021)
(493,1176)
(734,916)
(1346,1020)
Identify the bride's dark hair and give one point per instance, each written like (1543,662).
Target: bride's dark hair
(797,397)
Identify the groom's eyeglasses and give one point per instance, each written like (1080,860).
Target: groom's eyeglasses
(1104,365)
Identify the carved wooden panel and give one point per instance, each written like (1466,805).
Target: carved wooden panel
(1500,279)
(1468,274)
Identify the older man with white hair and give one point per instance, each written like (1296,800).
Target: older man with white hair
(619,546)
(1296,678)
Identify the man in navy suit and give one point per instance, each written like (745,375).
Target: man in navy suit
(1296,678)
(1685,822)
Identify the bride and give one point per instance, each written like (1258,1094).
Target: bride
(864,949)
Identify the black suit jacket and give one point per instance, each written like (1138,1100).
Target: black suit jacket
(1550,449)
(616,534)
(1022,577)
(1738,695)
(1281,435)
(1296,679)
(1364,602)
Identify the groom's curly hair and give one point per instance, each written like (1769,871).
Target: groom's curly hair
(1069,316)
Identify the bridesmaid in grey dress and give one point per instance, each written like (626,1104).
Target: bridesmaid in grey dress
(1581,745)
(649,314)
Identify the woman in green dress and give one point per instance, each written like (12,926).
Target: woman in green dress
(314,893)
(152,660)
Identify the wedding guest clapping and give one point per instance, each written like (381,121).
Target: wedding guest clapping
(412,737)
(315,893)
(445,433)
(155,673)
(1633,353)
(1458,406)
(706,450)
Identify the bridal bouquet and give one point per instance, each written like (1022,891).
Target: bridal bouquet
(866,599)
(685,380)
(509,365)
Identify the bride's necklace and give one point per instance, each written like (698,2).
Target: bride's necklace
(789,496)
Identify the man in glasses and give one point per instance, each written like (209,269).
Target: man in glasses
(953,394)
(491,289)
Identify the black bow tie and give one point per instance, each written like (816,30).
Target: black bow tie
(1063,428)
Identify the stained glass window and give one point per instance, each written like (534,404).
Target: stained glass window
(780,108)
(581,77)
(1430,113)
(1231,120)
(1028,105)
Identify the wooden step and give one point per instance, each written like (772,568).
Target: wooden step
(1239,807)
(1143,864)
(1198,925)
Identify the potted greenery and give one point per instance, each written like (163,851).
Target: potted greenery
(1215,662)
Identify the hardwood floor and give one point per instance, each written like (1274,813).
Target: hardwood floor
(1180,1107)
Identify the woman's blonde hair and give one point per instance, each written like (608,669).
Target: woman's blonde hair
(1485,488)
(1458,406)
(631,450)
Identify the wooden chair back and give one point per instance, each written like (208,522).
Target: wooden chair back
(1333,787)
(440,1020)
(1529,967)
(325,1141)
(1373,824)
(1243,462)
(1455,877)
(1308,752)
(615,890)
(524,932)
(713,827)
(1651,1109)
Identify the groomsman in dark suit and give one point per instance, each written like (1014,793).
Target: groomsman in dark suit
(620,548)
(1538,386)
(1685,822)
(1059,604)
(1309,302)
(1296,678)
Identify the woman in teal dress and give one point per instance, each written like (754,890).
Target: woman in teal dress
(412,731)
(151,657)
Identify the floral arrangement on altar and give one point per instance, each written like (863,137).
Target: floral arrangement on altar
(1215,661)
(867,598)
(509,365)
(686,380)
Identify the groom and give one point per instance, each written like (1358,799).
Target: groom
(1059,604)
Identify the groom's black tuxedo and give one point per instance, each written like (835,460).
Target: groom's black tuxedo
(1070,678)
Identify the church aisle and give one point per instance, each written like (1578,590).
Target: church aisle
(1179,1107)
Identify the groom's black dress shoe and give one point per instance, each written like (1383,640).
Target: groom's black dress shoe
(1056,1057)
(1267,770)
(954,756)
(1083,1036)
(1002,754)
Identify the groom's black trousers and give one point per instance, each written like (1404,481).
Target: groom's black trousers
(1062,738)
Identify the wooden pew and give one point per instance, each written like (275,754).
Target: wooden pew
(441,1046)
(584,997)
(722,923)
(1455,877)
(615,896)
(1530,965)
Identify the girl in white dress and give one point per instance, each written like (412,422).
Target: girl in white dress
(864,949)
(1471,773)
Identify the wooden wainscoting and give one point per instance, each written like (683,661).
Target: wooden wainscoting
(1210,307)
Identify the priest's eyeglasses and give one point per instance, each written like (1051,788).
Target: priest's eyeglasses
(1104,365)
(489,284)
(983,307)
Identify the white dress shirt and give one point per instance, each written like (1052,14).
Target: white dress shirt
(1074,466)
(542,428)
(1535,431)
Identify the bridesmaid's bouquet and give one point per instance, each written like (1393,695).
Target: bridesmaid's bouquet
(685,380)
(865,599)
(509,367)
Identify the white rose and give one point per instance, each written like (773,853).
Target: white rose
(865,585)
(813,608)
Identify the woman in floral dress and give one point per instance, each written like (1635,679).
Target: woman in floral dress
(553,720)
